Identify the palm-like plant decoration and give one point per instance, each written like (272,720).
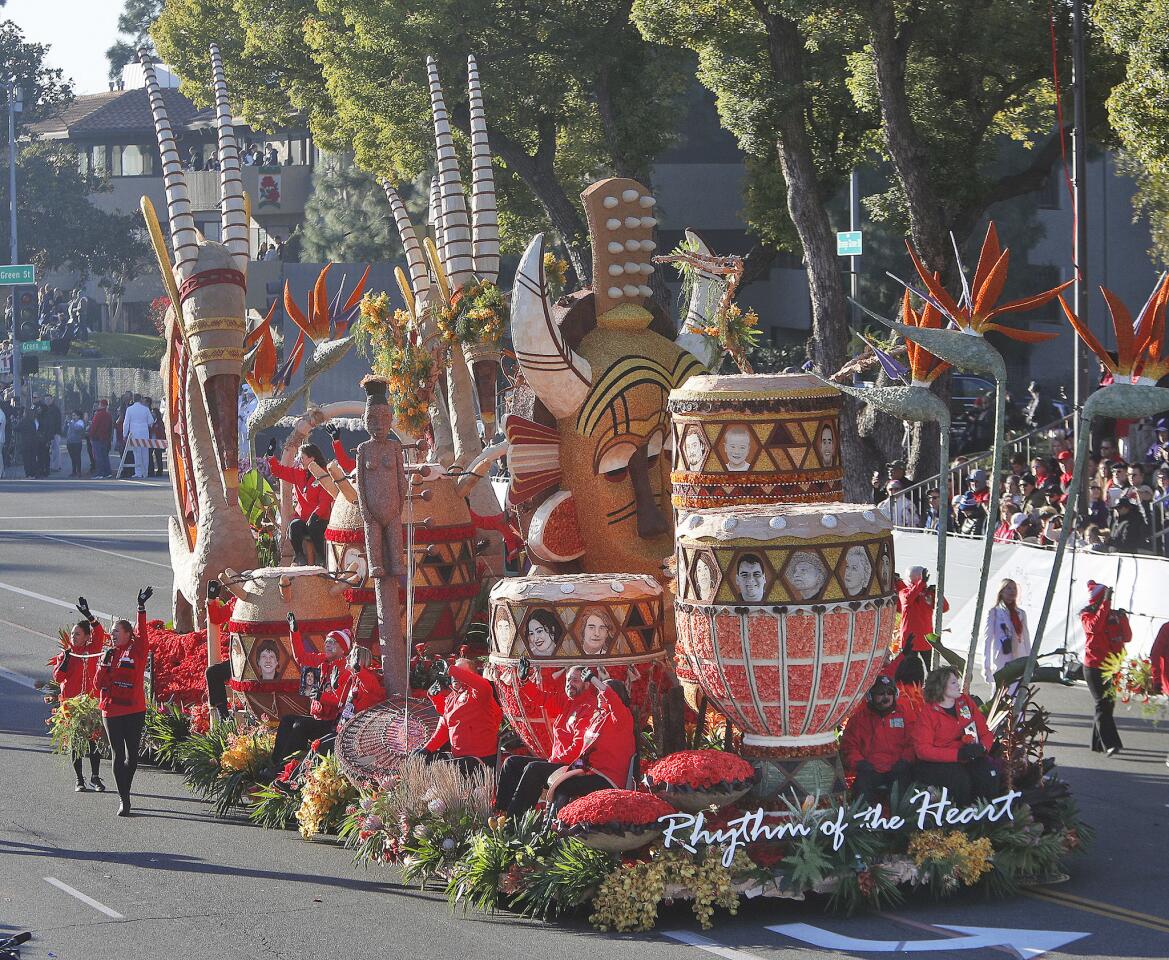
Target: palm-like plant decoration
(1142,359)
(973,315)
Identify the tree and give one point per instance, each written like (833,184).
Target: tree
(347,219)
(44,89)
(571,89)
(136,19)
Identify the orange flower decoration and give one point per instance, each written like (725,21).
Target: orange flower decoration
(924,367)
(261,374)
(324,320)
(977,315)
(1140,347)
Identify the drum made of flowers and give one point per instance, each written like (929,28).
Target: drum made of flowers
(755,438)
(263,668)
(608,620)
(784,614)
(446,578)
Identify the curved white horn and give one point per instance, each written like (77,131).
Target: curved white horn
(701,308)
(455,249)
(234,217)
(415,258)
(434,214)
(560,377)
(183,235)
(484,217)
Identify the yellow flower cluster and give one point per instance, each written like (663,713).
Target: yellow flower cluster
(323,789)
(967,859)
(628,898)
(474,315)
(400,356)
(245,751)
(556,274)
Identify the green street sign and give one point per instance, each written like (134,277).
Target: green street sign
(18,273)
(34,346)
(848,243)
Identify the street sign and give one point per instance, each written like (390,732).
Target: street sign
(34,346)
(848,243)
(17,273)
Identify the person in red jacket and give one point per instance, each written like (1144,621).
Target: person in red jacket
(916,601)
(1159,660)
(523,779)
(951,740)
(1106,632)
(75,670)
(296,730)
(468,725)
(608,747)
(310,502)
(122,696)
(101,437)
(877,747)
(361,689)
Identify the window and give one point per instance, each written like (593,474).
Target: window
(100,166)
(136,161)
(1048,196)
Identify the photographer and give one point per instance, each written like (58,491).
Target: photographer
(468,726)
(916,601)
(1106,632)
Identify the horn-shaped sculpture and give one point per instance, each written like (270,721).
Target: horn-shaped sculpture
(915,401)
(1142,359)
(203,362)
(590,460)
(967,349)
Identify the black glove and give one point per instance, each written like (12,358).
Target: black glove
(214,589)
(332,430)
(863,766)
(525,669)
(291,620)
(970,751)
(65,660)
(143,595)
(271,448)
(108,657)
(586,675)
(83,609)
(439,685)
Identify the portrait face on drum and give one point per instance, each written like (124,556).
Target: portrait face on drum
(544,632)
(827,446)
(858,570)
(694,450)
(597,634)
(737,448)
(750,579)
(267,661)
(805,574)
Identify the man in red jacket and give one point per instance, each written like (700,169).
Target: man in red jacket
(101,435)
(468,726)
(523,779)
(877,747)
(916,601)
(1106,632)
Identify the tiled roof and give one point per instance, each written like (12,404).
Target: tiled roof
(118,112)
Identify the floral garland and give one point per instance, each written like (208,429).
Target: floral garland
(950,859)
(245,752)
(1131,681)
(475,315)
(324,795)
(393,341)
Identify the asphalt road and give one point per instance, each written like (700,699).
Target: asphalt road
(174,881)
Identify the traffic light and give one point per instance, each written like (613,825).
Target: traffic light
(26,311)
(30,363)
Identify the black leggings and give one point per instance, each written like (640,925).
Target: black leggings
(217,676)
(315,531)
(466,765)
(521,781)
(94,763)
(125,735)
(296,732)
(1105,736)
(965,781)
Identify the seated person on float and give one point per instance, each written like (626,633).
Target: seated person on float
(951,740)
(877,745)
(469,717)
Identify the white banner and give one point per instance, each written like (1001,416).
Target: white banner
(1140,586)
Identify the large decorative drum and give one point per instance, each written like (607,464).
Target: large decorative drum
(263,669)
(609,620)
(345,551)
(784,615)
(755,438)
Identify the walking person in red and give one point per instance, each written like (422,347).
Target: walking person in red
(75,669)
(951,740)
(571,708)
(101,436)
(468,726)
(310,502)
(122,696)
(1106,631)
(916,601)
(877,747)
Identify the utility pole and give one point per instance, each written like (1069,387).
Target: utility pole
(1079,180)
(14,107)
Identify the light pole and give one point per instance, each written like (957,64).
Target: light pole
(1080,184)
(15,105)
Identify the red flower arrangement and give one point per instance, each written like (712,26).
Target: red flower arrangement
(700,769)
(200,715)
(614,809)
(180,664)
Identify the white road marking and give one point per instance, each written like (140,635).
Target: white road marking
(88,901)
(95,516)
(86,546)
(32,594)
(1026,943)
(18,678)
(710,946)
(97,534)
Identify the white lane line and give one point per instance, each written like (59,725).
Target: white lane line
(710,946)
(112,553)
(88,901)
(32,594)
(18,678)
(95,516)
(98,534)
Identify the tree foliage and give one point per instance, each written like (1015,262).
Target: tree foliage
(135,21)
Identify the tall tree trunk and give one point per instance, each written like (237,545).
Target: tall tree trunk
(808,212)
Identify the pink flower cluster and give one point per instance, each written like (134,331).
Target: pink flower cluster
(699,769)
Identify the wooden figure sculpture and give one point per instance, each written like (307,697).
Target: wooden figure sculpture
(203,362)
(381,492)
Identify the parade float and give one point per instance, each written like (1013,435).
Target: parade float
(653,503)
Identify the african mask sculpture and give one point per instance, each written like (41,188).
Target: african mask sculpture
(203,362)
(590,458)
